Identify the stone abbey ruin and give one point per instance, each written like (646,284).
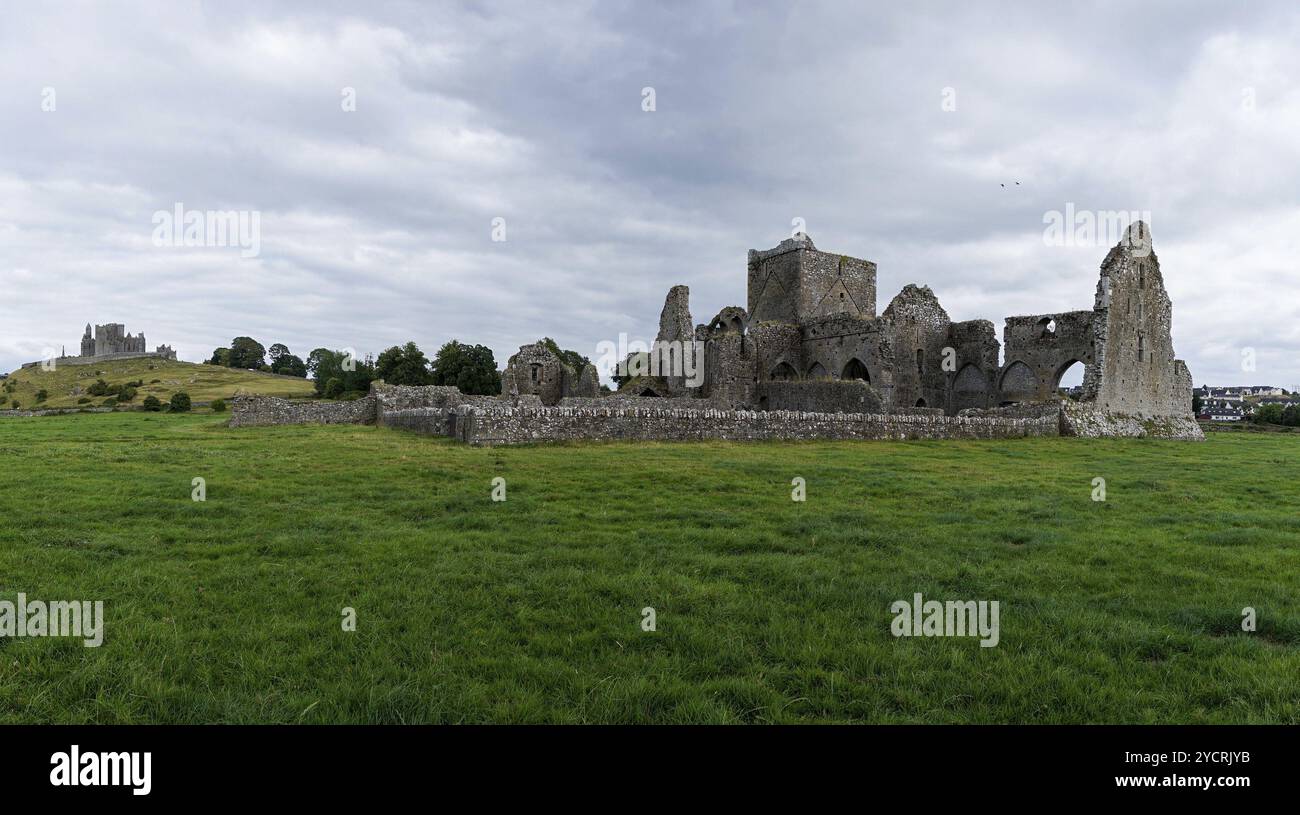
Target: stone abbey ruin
(810,358)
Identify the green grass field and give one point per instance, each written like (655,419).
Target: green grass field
(529,610)
(202,382)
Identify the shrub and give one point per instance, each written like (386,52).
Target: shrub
(110,402)
(126,393)
(85,400)
(15,404)
(42,395)
(218,405)
(154,381)
(180,402)
(151,403)
(100,388)
(333,388)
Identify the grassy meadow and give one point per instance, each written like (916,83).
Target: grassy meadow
(66,384)
(530,610)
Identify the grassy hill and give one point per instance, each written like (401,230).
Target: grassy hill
(68,383)
(530,609)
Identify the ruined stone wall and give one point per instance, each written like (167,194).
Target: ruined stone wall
(1047,345)
(830,346)
(1089,421)
(820,396)
(489,426)
(252,411)
(1138,372)
(730,357)
(973,382)
(918,330)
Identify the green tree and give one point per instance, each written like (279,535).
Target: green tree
(573,359)
(283,362)
(403,365)
(151,403)
(1196,405)
(220,356)
(246,352)
(1268,414)
(125,393)
(351,374)
(218,405)
(180,402)
(333,388)
(471,368)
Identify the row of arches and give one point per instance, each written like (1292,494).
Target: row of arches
(853,369)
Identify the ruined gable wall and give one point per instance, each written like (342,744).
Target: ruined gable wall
(1137,373)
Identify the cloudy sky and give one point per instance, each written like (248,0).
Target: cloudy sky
(889,129)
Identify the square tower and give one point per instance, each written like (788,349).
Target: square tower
(795,283)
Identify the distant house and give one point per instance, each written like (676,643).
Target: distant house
(1221,414)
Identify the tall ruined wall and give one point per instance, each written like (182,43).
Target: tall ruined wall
(730,359)
(918,329)
(488,426)
(1138,373)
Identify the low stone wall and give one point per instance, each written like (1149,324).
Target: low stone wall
(255,411)
(430,421)
(392,399)
(1085,421)
(820,396)
(648,402)
(488,426)
(28,414)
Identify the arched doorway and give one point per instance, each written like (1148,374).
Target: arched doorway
(1018,383)
(970,389)
(856,370)
(1069,379)
(817,371)
(784,373)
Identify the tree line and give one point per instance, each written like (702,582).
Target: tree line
(338,374)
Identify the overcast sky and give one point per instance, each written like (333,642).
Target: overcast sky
(376,224)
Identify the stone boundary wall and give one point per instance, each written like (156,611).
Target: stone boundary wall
(391,399)
(1090,422)
(429,421)
(648,402)
(258,411)
(489,426)
(29,414)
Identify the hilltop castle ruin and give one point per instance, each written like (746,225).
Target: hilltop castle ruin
(109,341)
